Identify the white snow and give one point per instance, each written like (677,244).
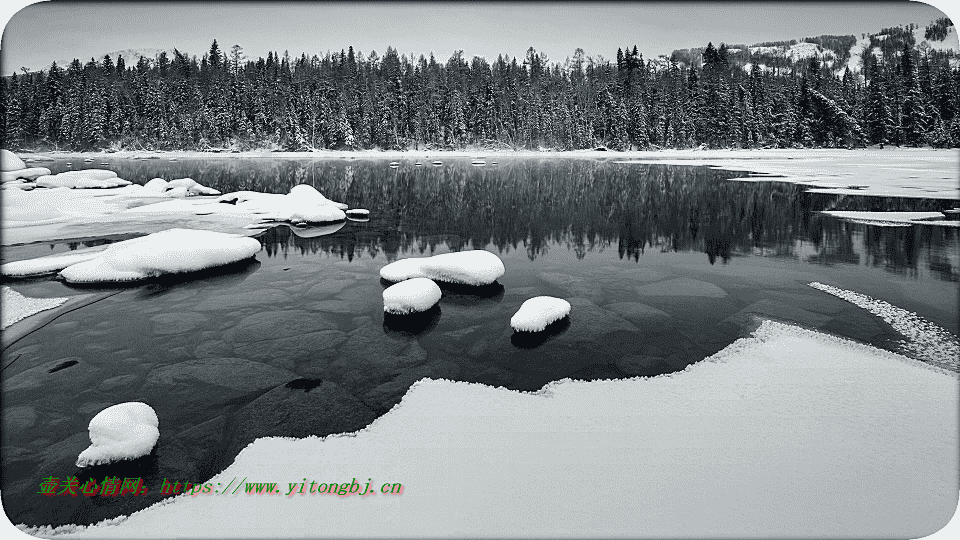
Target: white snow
(536,313)
(891,172)
(950,42)
(471,267)
(27,174)
(925,340)
(124,431)
(17,307)
(788,433)
(892,218)
(10,161)
(50,263)
(412,295)
(166,252)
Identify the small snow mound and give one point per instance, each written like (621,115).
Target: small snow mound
(537,313)
(167,252)
(401,270)
(410,296)
(124,431)
(358,212)
(10,161)
(310,194)
(472,267)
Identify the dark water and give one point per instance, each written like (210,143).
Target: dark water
(664,265)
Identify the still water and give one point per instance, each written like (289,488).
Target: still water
(663,265)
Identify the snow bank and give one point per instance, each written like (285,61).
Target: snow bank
(412,295)
(10,161)
(17,307)
(26,174)
(167,252)
(536,313)
(925,340)
(788,433)
(124,431)
(472,267)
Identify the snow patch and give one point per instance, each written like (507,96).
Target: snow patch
(536,313)
(124,431)
(412,295)
(17,307)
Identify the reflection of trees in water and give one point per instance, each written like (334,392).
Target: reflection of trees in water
(583,205)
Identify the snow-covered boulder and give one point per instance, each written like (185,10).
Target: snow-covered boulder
(358,212)
(472,267)
(177,192)
(410,296)
(310,194)
(86,179)
(167,252)
(536,313)
(124,431)
(157,184)
(10,161)
(185,183)
(26,174)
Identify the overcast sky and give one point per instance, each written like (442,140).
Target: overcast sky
(43,32)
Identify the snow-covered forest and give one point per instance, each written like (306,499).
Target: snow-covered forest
(728,96)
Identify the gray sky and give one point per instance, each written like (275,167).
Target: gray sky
(56,30)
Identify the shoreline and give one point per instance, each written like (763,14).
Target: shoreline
(692,153)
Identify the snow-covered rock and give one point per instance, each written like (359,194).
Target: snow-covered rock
(157,184)
(310,194)
(358,212)
(536,313)
(412,295)
(90,178)
(185,183)
(177,192)
(166,252)
(124,431)
(303,204)
(10,161)
(472,267)
(27,174)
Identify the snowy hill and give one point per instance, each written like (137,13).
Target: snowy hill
(130,57)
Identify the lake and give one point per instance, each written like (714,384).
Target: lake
(664,265)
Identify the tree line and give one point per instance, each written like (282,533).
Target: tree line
(347,100)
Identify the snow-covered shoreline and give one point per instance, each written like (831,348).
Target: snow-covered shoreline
(787,433)
(890,172)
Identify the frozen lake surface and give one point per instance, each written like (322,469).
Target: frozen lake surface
(663,265)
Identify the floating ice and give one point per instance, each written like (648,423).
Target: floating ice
(166,252)
(891,218)
(472,267)
(10,161)
(17,307)
(124,431)
(536,313)
(925,340)
(412,295)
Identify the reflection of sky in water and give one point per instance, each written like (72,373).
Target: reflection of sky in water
(663,266)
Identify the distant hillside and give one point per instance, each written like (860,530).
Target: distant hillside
(938,40)
(130,57)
